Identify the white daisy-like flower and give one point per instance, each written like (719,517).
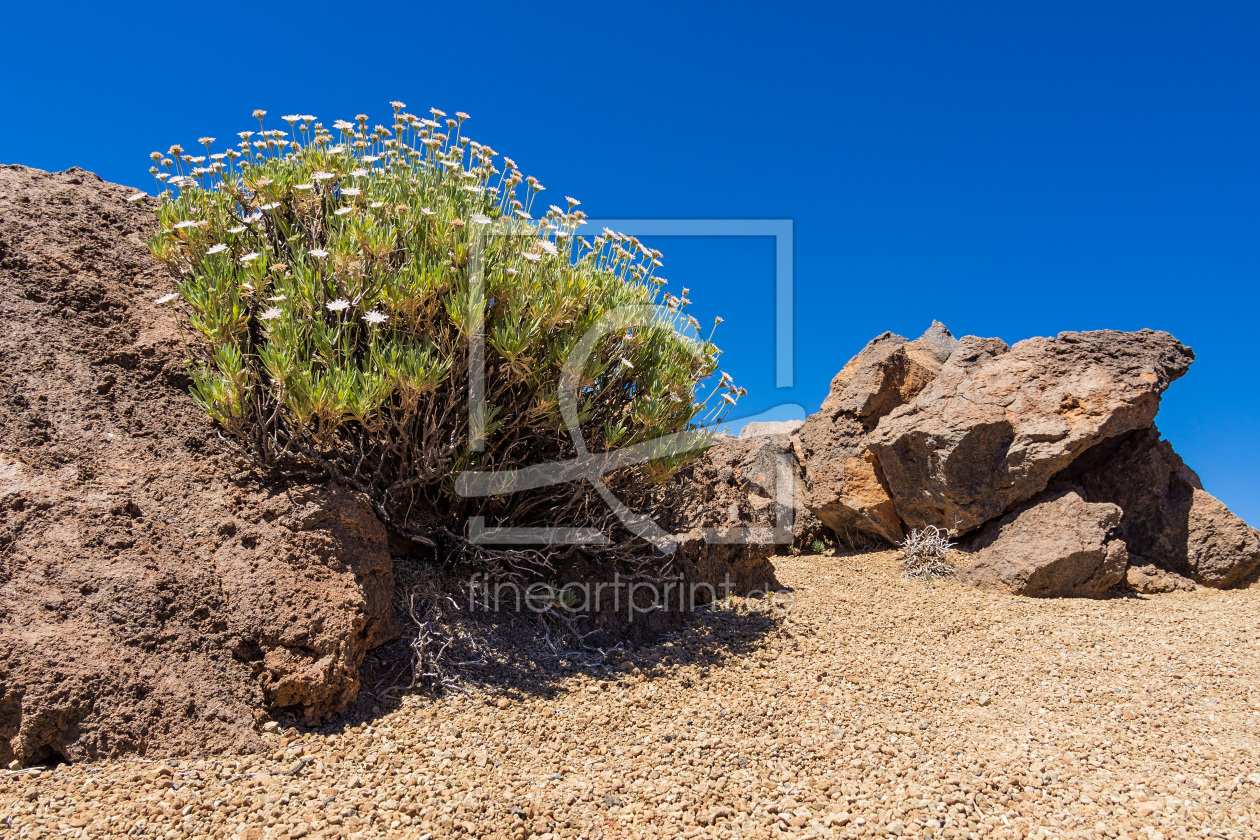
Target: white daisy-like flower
(166,298)
(375,317)
(270,314)
(427,212)
(511,272)
(237,229)
(187,224)
(318,252)
(548,247)
(323,176)
(276,298)
(371,158)
(729,398)
(675,398)
(350,191)
(136,197)
(532,257)
(250,257)
(270,206)
(627,363)
(341,211)
(480,219)
(359,173)
(377,205)
(337,305)
(522,214)
(336,150)
(573,202)
(304,186)
(216,249)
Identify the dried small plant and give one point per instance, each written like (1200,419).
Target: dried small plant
(925,554)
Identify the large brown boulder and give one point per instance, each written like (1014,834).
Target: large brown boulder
(149,602)
(843,485)
(993,428)
(1058,546)
(1169,520)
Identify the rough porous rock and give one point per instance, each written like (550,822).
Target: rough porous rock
(843,485)
(1151,580)
(724,506)
(993,428)
(149,603)
(1169,520)
(1058,546)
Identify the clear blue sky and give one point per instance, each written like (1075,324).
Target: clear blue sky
(1011,169)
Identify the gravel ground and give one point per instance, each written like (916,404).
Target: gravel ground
(869,706)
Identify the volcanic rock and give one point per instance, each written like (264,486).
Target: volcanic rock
(149,603)
(993,428)
(1059,545)
(1169,520)
(843,484)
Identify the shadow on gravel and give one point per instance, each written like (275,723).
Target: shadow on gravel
(516,660)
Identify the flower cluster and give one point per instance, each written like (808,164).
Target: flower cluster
(331,276)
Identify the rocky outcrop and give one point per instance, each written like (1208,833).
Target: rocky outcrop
(1057,546)
(1169,520)
(992,432)
(958,433)
(149,603)
(843,485)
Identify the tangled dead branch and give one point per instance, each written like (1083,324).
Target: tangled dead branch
(925,554)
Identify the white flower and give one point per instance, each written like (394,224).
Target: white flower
(166,298)
(270,206)
(341,211)
(350,191)
(216,249)
(548,247)
(511,271)
(270,314)
(359,173)
(304,187)
(369,159)
(337,305)
(237,229)
(250,257)
(729,398)
(532,257)
(573,202)
(137,196)
(187,224)
(427,212)
(375,317)
(480,219)
(318,252)
(276,299)
(323,176)
(626,363)
(377,205)
(522,214)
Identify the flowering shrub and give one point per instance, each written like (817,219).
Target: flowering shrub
(331,280)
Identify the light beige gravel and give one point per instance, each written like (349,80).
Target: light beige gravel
(872,706)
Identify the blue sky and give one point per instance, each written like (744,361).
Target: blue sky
(1011,169)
